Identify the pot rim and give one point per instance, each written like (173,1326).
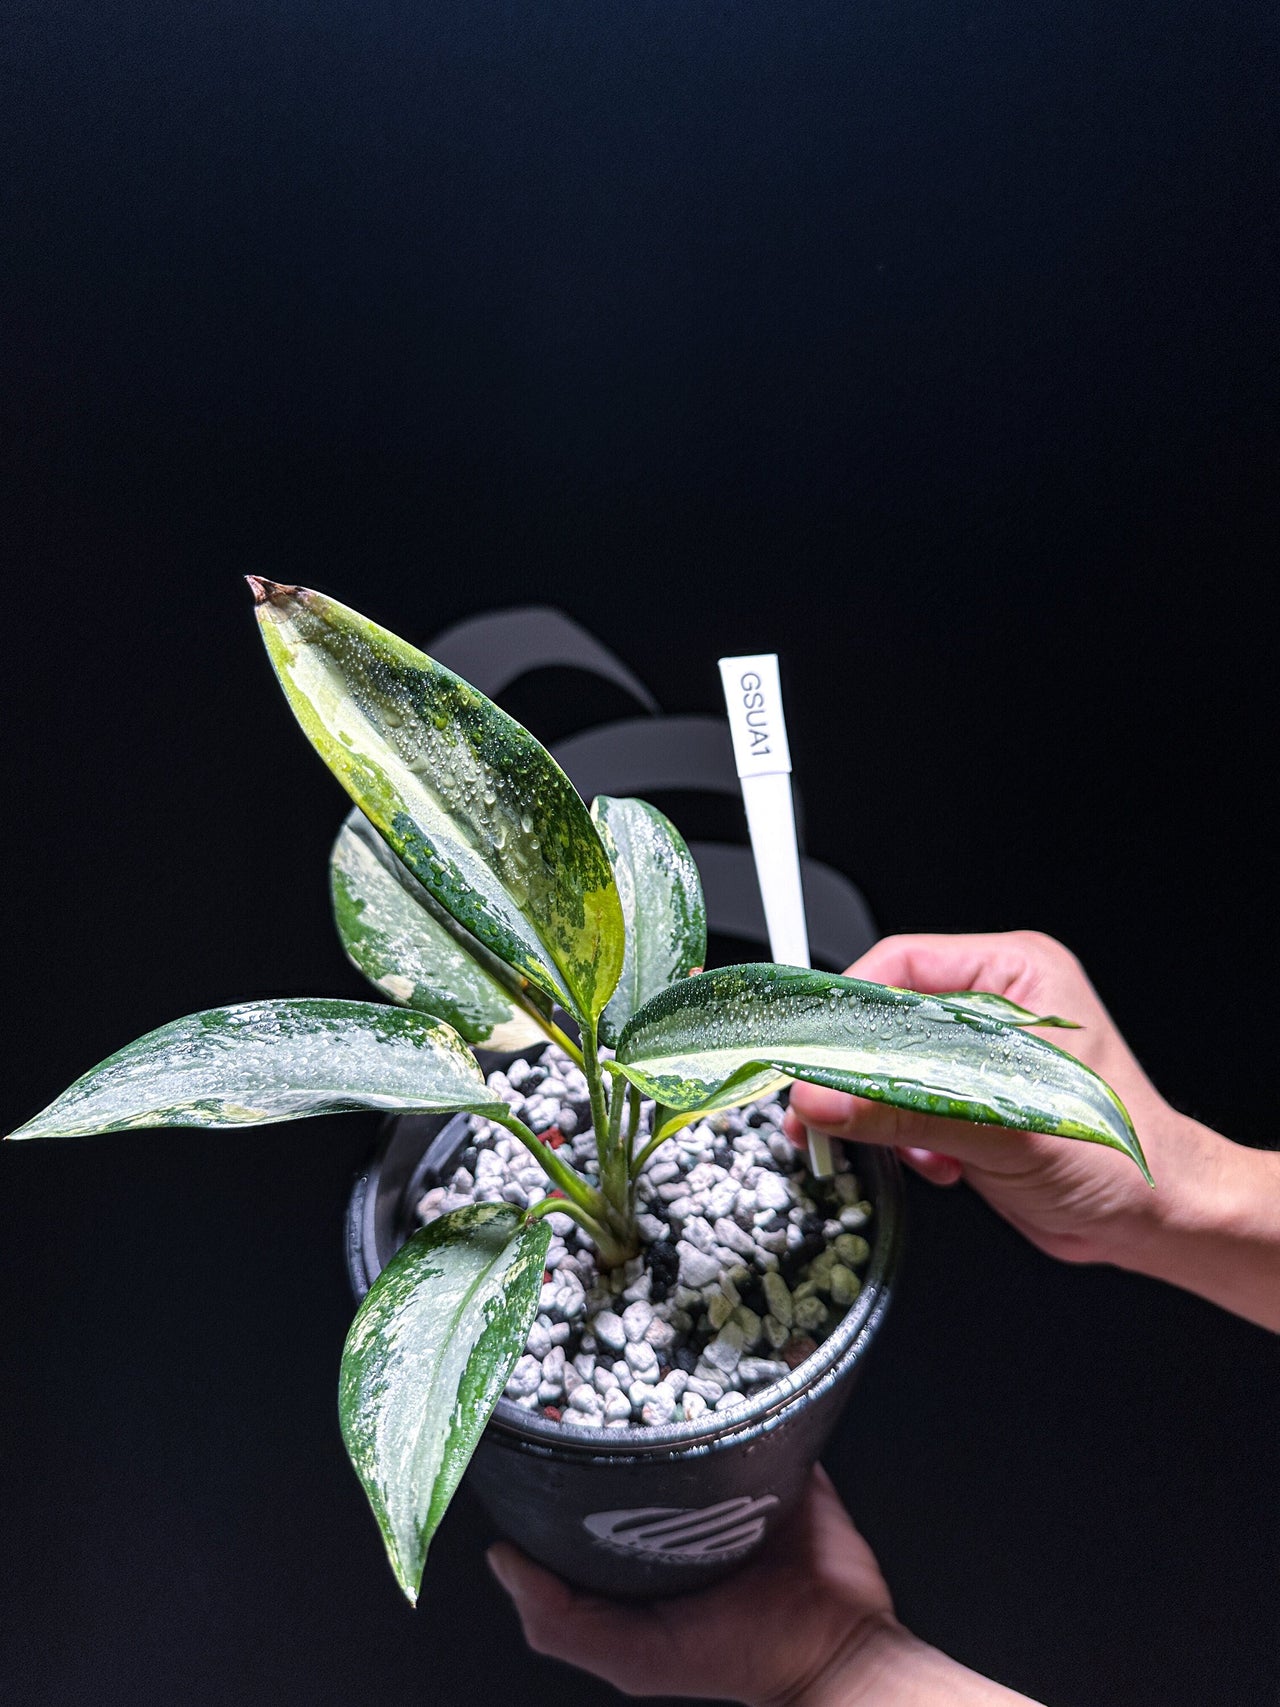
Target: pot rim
(818,1372)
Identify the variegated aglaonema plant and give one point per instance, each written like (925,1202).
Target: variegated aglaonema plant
(477,892)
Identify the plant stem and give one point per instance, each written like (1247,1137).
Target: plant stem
(598,1230)
(574,1187)
(615,1182)
(560,1038)
(613,1247)
(660,1113)
(633,1116)
(595,1089)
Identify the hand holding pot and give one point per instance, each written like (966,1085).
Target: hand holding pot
(809,1624)
(1212,1224)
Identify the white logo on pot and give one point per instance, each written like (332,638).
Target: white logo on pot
(685,1534)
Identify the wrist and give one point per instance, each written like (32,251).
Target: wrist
(889,1667)
(1212,1225)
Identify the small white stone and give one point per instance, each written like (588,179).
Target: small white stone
(725,1349)
(729,1233)
(696,1267)
(754,1369)
(772,1191)
(635,1319)
(695,1406)
(642,1360)
(659,1408)
(539,1343)
(617,1406)
(525,1378)
(845,1285)
(609,1330)
(730,1402)
(704,1388)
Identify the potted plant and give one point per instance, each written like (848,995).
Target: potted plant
(481,896)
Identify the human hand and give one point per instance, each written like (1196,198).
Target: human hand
(809,1623)
(1211,1225)
(776,1632)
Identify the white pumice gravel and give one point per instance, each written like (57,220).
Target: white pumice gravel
(746,1263)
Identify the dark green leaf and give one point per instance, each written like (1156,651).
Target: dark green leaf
(426,1361)
(264,1061)
(707,1036)
(480,813)
(662,905)
(408,946)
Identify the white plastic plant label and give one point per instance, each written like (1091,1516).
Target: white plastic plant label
(753,698)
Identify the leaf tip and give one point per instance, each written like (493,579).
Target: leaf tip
(270,592)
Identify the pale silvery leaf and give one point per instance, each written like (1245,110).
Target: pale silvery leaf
(410,949)
(662,905)
(426,1361)
(259,1062)
(709,1036)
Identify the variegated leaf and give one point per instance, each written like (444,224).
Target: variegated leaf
(480,813)
(259,1062)
(409,948)
(662,905)
(426,1361)
(987,1005)
(707,1036)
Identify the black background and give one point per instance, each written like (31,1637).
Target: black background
(926,343)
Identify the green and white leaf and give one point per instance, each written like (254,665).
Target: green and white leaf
(259,1062)
(426,1361)
(709,1035)
(985,1004)
(477,809)
(409,948)
(662,906)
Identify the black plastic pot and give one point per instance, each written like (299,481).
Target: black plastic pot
(639,1512)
